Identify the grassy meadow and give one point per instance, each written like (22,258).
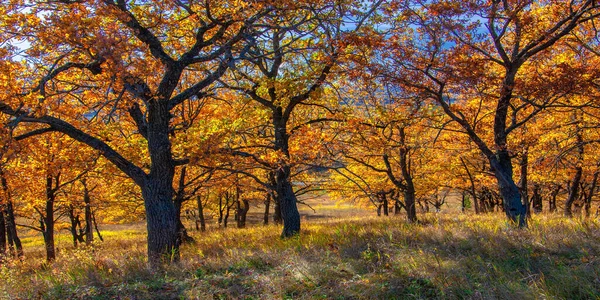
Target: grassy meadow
(342,253)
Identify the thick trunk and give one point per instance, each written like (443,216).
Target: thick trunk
(267,206)
(163,241)
(157,187)
(287,199)
(509,191)
(283,185)
(201,214)
(409,200)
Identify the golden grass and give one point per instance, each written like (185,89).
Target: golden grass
(446,257)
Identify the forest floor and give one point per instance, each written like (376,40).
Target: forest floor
(341,253)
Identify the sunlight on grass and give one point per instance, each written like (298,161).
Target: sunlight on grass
(447,256)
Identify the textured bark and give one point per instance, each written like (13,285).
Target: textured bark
(409,191)
(509,191)
(283,186)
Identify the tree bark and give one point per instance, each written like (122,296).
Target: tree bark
(283,186)
(75,225)
(590,195)
(14,242)
(201,214)
(552,199)
(509,191)
(242,212)
(47,219)
(473,193)
(409,192)
(523,164)
(267,206)
(89,227)
(536,199)
(2,233)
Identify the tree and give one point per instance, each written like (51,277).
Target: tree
(451,51)
(133,67)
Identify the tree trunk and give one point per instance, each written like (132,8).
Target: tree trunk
(409,192)
(226,217)
(287,205)
(473,193)
(283,185)
(182,233)
(163,241)
(2,233)
(523,181)
(96,227)
(267,206)
(509,191)
(574,188)
(536,199)
(47,220)
(157,187)
(221,210)
(242,212)
(201,214)
(14,242)
(573,191)
(75,224)
(590,195)
(9,219)
(277,219)
(552,199)
(384,203)
(89,229)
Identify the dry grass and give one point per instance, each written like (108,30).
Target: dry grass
(447,257)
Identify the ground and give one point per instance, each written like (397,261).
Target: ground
(342,253)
